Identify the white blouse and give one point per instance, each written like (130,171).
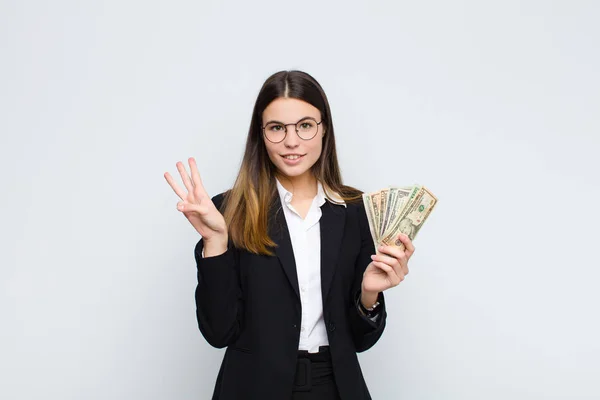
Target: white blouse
(306,243)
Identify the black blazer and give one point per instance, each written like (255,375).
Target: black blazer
(251,304)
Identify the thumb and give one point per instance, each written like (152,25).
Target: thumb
(184,206)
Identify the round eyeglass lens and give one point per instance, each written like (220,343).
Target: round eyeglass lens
(307,128)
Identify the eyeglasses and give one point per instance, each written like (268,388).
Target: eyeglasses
(306,129)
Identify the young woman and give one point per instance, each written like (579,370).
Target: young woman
(288,278)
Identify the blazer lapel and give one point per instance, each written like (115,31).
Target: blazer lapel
(279,233)
(333,220)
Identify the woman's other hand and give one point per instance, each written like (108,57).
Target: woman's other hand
(388,268)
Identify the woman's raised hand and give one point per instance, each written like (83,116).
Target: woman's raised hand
(197,206)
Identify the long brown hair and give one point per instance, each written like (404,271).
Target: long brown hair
(246,206)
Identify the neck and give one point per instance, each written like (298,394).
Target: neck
(303,186)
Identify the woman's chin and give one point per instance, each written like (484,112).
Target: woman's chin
(292,171)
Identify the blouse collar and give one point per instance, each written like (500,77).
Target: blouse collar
(322,192)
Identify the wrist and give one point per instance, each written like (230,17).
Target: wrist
(368,299)
(215,246)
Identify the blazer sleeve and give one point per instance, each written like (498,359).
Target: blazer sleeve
(365,331)
(219,300)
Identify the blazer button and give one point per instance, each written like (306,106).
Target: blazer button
(331,327)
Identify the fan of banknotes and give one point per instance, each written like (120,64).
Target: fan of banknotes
(396,210)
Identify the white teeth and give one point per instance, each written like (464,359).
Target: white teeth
(292,157)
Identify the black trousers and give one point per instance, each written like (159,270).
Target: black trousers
(314,376)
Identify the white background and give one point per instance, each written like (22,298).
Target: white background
(492,105)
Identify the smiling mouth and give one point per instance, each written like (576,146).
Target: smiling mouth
(293,157)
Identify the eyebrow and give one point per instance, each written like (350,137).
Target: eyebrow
(279,122)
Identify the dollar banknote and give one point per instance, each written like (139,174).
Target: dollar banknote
(368,201)
(396,210)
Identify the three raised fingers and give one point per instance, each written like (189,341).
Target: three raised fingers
(196,181)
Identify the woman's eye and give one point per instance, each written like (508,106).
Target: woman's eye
(276,128)
(306,125)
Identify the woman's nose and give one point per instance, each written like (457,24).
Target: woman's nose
(291,139)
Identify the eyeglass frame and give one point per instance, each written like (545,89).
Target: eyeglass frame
(295,128)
